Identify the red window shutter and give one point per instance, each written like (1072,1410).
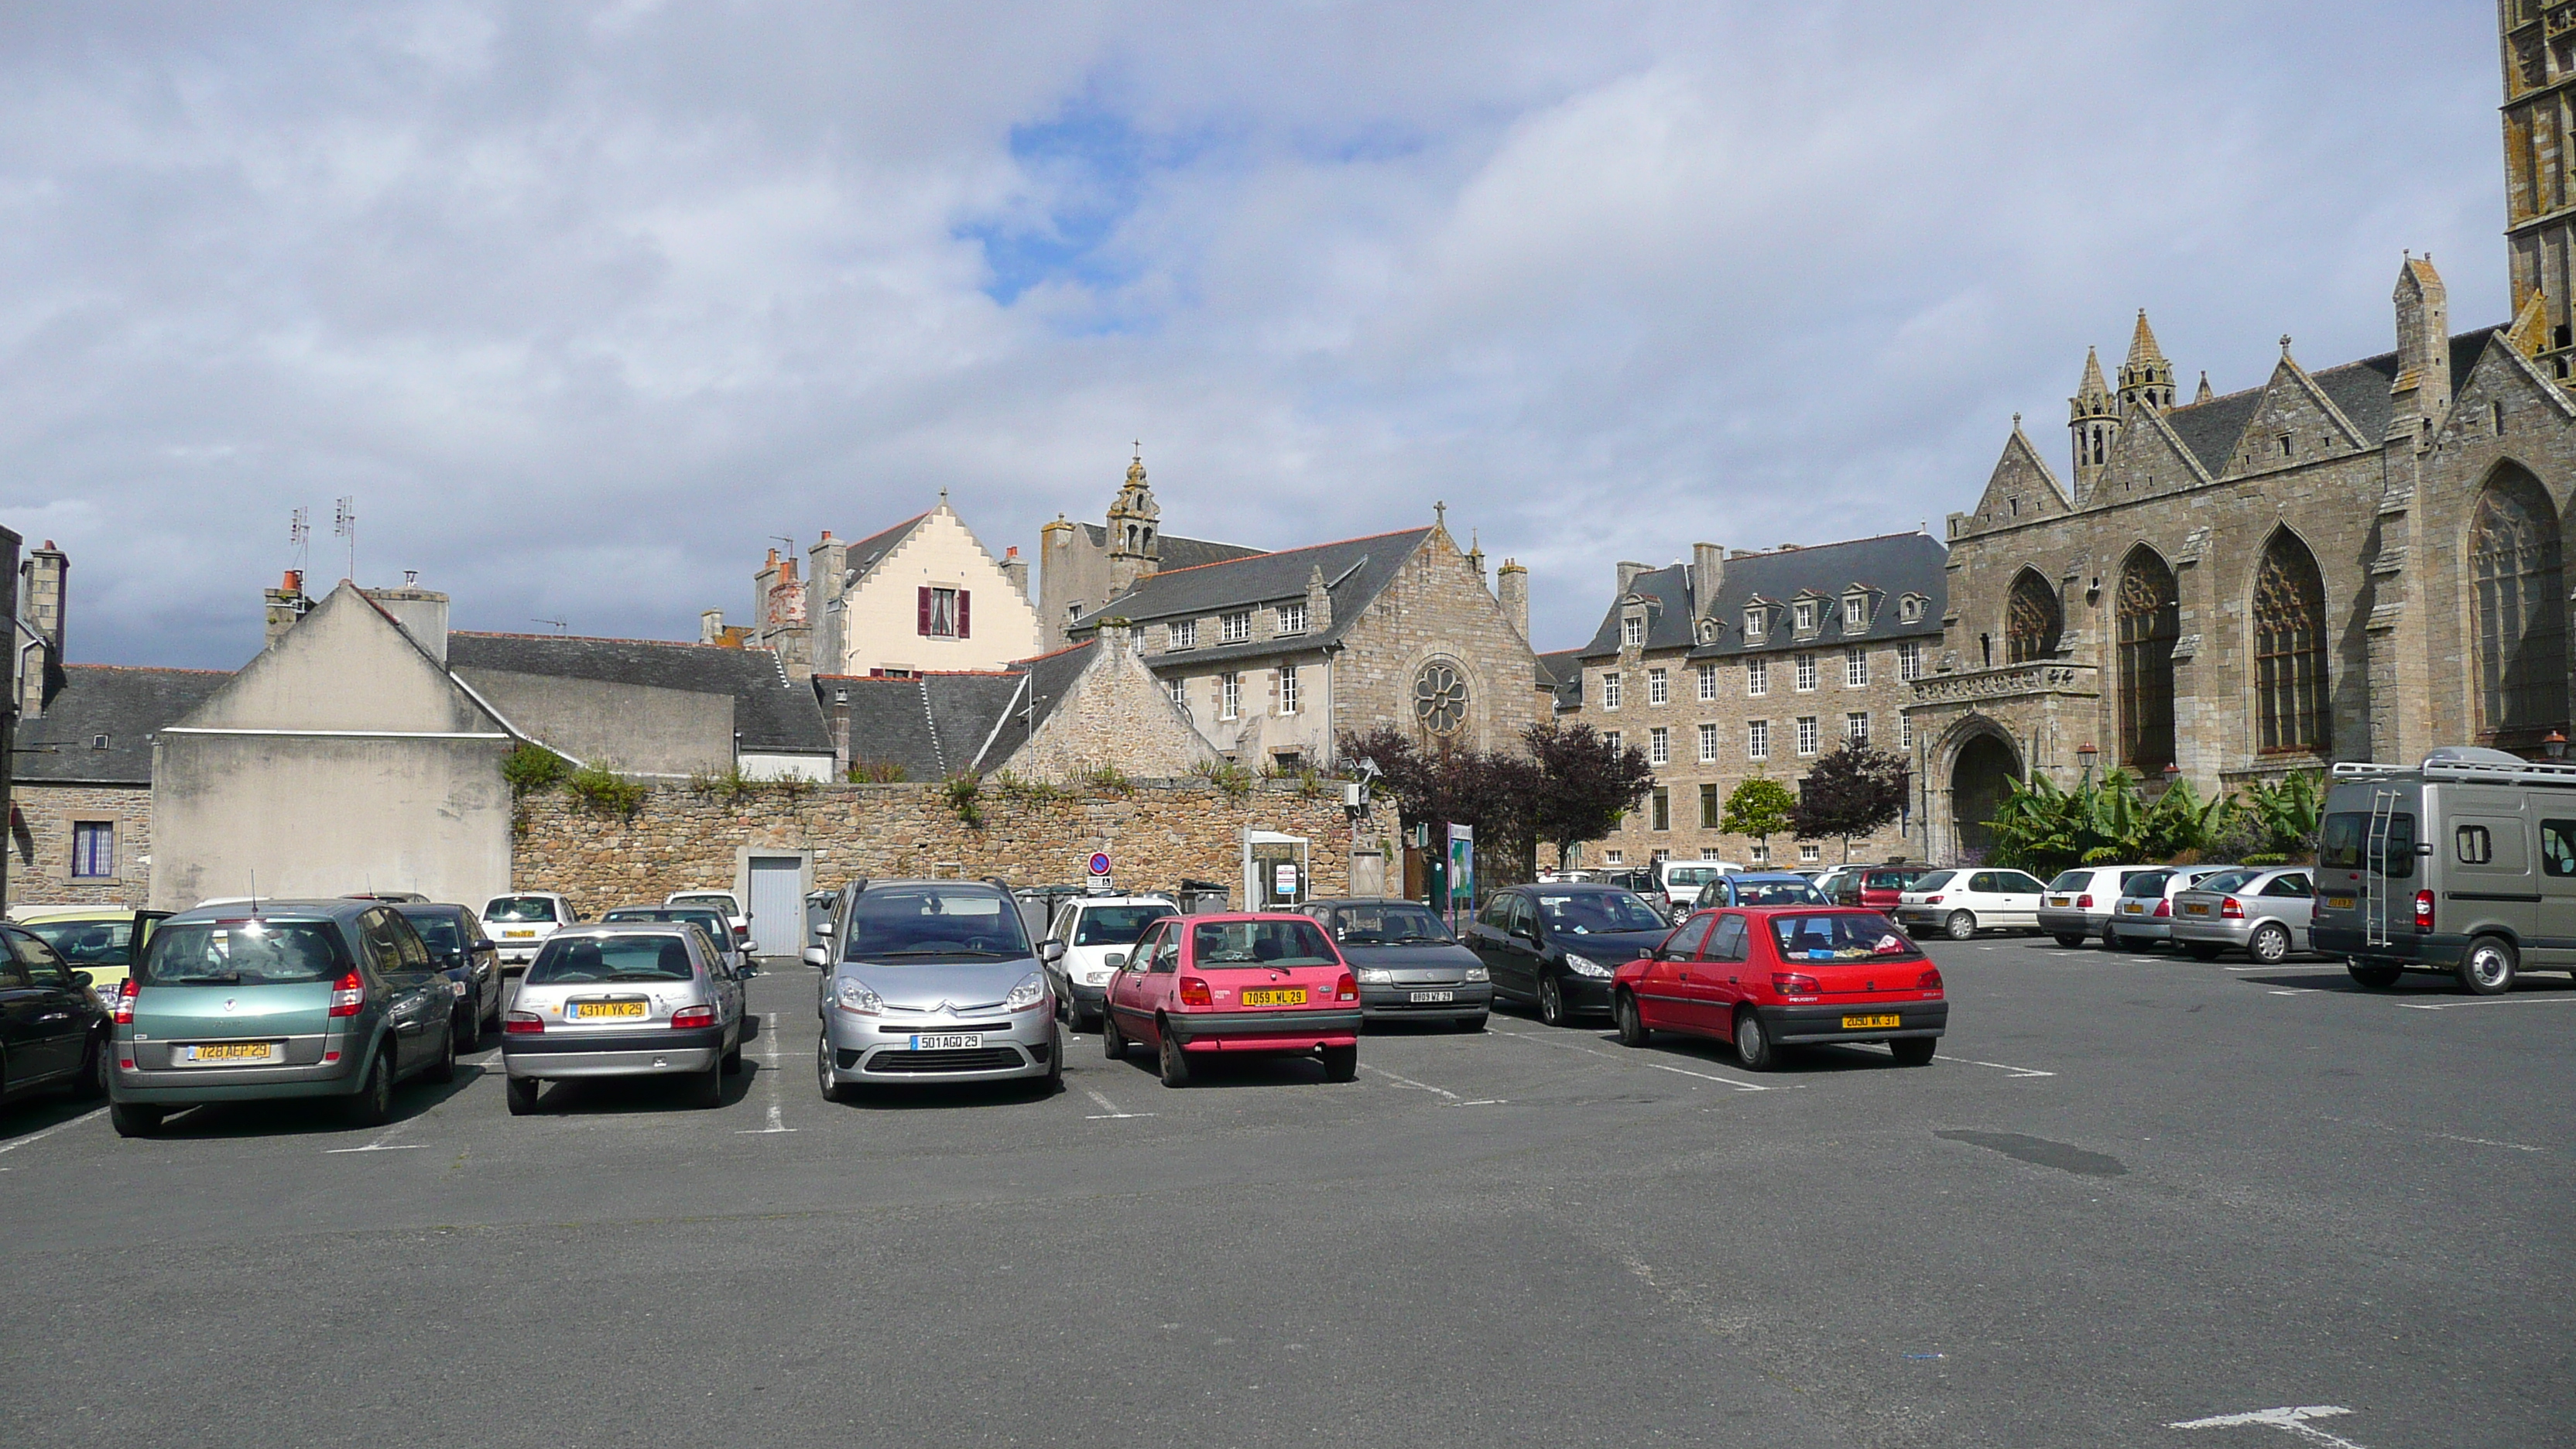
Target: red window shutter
(924,593)
(962,598)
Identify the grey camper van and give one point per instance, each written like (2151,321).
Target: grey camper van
(2465,864)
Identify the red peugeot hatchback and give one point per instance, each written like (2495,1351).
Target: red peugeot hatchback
(1769,977)
(1198,985)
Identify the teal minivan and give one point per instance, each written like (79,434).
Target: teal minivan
(247,1003)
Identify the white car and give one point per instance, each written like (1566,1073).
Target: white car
(1087,944)
(724,901)
(520,922)
(1680,880)
(1960,903)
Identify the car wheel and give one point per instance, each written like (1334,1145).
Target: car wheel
(91,1083)
(2271,943)
(1753,1043)
(2111,938)
(2204,951)
(1113,1042)
(467,1031)
(834,1090)
(2069,942)
(1175,1062)
(1960,926)
(444,1069)
(1473,1024)
(2489,967)
(733,1058)
(521,1093)
(133,1120)
(2377,975)
(1913,1051)
(373,1103)
(708,1090)
(1342,1063)
(1551,1002)
(1055,1065)
(1632,1023)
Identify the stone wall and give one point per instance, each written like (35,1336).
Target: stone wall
(40,845)
(1438,607)
(1156,834)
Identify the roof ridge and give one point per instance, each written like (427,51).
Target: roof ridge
(149,668)
(602,639)
(1272,553)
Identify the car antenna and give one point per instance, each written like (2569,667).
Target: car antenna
(254,892)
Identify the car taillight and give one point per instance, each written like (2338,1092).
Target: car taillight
(2232,908)
(1790,983)
(2165,907)
(1931,900)
(1194,992)
(693,1016)
(1346,989)
(2084,902)
(2424,911)
(522,1023)
(1930,980)
(348,995)
(125,992)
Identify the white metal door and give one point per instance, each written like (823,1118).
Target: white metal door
(777,905)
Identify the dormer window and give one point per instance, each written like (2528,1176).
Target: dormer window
(1757,623)
(1234,628)
(1856,612)
(1911,610)
(1806,616)
(1632,632)
(1292,618)
(1183,633)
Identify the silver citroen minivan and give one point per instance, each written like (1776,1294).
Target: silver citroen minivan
(931,981)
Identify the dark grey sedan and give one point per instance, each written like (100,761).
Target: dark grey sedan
(1409,967)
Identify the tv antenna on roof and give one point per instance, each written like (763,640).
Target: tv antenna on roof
(560,625)
(344,524)
(299,536)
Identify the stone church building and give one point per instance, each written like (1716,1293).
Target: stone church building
(2360,561)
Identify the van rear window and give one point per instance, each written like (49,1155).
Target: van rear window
(2345,840)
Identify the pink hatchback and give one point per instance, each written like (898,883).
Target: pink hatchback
(1235,983)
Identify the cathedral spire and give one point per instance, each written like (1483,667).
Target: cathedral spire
(2204,394)
(2094,420)
(2146,379)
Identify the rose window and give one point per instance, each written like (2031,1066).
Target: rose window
(1440,698)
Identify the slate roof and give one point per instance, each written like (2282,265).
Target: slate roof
(1356,571)
(129,706)
(938,725)
(771,713)
(1561,673)
(1893,564)
(1173,552)
(864,553)
(2212,429)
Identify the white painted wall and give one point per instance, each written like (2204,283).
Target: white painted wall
(881,622)
(785,767)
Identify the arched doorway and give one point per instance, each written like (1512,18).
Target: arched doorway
(2517,603)
(2150,614)
(1979,775)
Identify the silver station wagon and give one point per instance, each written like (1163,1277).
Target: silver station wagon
(632,999)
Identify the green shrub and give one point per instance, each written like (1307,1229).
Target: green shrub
(1231,779)
(877,772)
(730,785)
(598,788)
(532,767)
(964,792)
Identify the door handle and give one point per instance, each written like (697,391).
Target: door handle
(55,1016)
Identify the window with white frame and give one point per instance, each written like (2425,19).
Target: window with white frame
(1759,855)
(1806,672)
(1707,743)
(1179,689)
(1757,677)
(1234,628)
(1905,732)
(1292,618)
(1632,631)
(1757,739)
(1659,746)
(1809,853)
(1709,852)
(1856,612)
(1856,727)
(1910,610)
(1182,634)
(1611,739)
(1610,691)
(1807,734)
(1614,857)
(1909,660)
(1708,681)
(1659,688)
(1288,690)
(1855,669)
(1806,616)
(1229,691)
(1757,622)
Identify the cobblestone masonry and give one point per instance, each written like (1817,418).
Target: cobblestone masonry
(1157,833)
(40,846)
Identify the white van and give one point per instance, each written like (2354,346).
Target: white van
(1680,880)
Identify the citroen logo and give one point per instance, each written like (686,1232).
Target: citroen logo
(228,1003)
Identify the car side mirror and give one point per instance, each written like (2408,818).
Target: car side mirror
(81,978)
(1050,951)
(818,958)
(822,928)
(1114,960)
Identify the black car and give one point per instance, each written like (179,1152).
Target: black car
(53,1032)
(1409,967)
(1557,945)
(472,964)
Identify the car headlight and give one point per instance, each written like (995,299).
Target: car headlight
(1585,965)
(1479,973)
(1375,975)
(853,995)
(1026,995)
(1096,978)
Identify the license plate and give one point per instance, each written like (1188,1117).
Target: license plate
(2059,902)
(231,1051)
(2195,910)
(1281,996)
(2133,909)
(1865,1023)
(947,1041)
(1435,996)
(517,935)
(2340,903)
(607,1010)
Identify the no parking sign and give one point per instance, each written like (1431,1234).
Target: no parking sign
(1100,863)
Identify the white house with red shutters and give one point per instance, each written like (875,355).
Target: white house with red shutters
(923,596)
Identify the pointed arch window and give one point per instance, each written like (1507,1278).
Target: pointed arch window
(2520,615)
(2290,649)
(2031,620)
(2150,615)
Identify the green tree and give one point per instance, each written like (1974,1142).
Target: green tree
(1760,807)
(1852,791)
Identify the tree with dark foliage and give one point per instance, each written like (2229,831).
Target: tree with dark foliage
(1586,783)
(1852,791)
(1571,786)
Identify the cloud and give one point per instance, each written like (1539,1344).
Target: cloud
(583,305)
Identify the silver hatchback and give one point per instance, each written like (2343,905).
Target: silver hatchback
(625,1000)
(2261,912)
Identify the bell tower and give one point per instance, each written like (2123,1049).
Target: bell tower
(2095,421)
(2146,378)
(1135,551)
(2539,44)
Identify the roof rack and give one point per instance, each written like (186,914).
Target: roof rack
(2479,771)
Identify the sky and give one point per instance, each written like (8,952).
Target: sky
(583,307)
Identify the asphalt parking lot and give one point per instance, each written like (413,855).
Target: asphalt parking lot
(2134,1192)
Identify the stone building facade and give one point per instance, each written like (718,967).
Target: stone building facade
(1083,565)
(1741,664)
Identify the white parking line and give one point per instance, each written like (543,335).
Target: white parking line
(2500,1001)
(1108,1109)
(2296,1421)
(1409,1082)
(2289,991)
(1998,1066)
(50,1131)
(769,1069)
(1658,1066)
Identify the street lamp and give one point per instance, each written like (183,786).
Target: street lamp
(2556,745)
(2085,754)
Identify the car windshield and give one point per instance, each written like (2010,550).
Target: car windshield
(1593,913)
(711,922)
(1885,880)
(1691,875)
(1388,925)
(438,932)
(519,908)
(242,953)
(938,919)
(1115,925)
(88,943)
(587,959)
(1840,936)
(1778,893)
(2071,880)
(1933,882)
(722,903)
(1223,945)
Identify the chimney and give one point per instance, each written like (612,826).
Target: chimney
(1511,590)
(1628,572)
(2422,392)
(1708,571)
(421,612)
(286,604)
(1018,569)
(44,581)
(711,626)
(827,565)
(1319,602)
